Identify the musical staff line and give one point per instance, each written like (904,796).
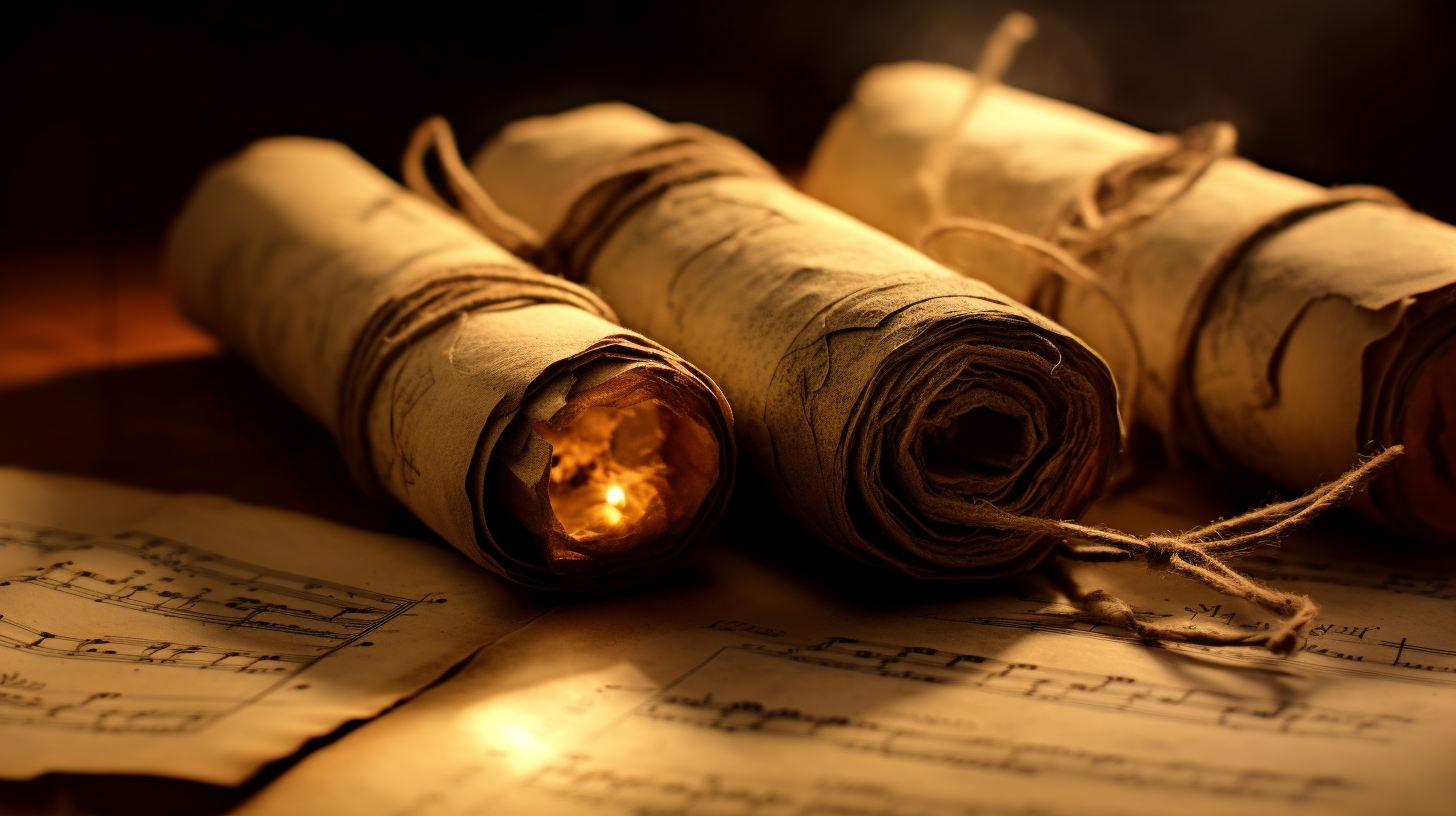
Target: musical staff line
(1288,568)
(111,712)
(140,650)
(1348,656)
(181,581)
(632,790)
(1124,695)
(959,748)
(236,619)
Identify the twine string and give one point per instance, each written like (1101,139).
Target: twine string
(1103,208)
(996,57)
(1195,554)
(1116,200)
(475,203)
(607,196)
(415,312)
(690,154)
(1061,262)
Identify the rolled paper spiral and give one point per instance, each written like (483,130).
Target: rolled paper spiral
(447,368)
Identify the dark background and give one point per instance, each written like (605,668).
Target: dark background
(111,111)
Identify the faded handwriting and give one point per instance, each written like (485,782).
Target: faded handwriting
(226,608)
(958,748)
(1124,695)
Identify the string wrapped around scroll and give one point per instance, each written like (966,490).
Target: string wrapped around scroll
(1263,322)
(882,397)
(500,405)
(925,410)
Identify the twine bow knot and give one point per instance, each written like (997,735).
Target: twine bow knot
(1193,553)
(1108,205)
(1199,554)
(1162,549)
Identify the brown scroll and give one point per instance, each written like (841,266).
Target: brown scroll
(888,403)
(500,405)
(1276,326)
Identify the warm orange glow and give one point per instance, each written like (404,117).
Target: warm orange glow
(622,478)
(607,474)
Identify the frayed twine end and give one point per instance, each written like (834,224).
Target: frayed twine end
(1198,554)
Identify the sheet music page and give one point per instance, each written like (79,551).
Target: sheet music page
(743,691)
(196,637)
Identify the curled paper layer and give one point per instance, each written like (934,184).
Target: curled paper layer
(497,403)
(1278,326)
(885,401)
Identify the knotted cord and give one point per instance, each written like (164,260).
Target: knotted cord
(474,202)
(1195,554)
(691,154)
(1052,257)
(1104,207)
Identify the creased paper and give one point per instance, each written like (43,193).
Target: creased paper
(1329,335)
(880,395)
(195,637)
(435,356)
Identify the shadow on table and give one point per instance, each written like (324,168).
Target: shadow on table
(201,424)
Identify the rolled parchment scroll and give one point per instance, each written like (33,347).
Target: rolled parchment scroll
(887,402)
(1282,327)
(498,404)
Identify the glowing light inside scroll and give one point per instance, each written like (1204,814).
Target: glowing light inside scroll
(623,477)
(610,487)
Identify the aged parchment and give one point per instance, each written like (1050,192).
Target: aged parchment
(760,692)
(196,637)
(438,359)
(1328,332)
(881,396)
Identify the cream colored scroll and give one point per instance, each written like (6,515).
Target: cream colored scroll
(1283,327)
(886,401)
(498,404)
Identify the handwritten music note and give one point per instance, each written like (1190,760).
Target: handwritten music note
(1052,684)
(204,638)
(748,692)
(131,581)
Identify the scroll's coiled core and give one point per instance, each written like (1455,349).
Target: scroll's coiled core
(993,432)
(1030,431)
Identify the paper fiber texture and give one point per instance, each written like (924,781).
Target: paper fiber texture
(757,692)
(431,353)
(196,637)
(1328,335)
(879,394)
